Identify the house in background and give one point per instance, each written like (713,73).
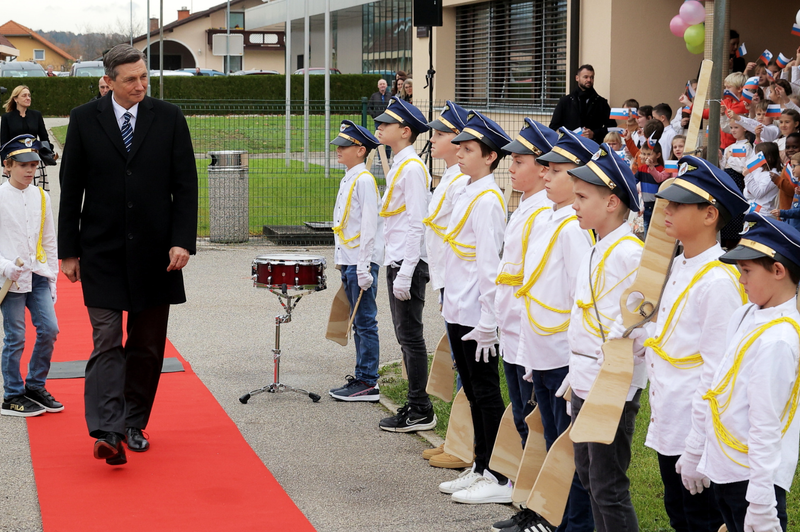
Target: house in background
(31,46)
(188,41)
(7,50)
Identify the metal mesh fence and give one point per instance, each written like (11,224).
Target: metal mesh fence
(291,193)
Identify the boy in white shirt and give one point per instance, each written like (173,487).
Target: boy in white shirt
(359,251)
(404,206)
(605,193)
(686,343)
(29,260)
(475,238)
(746,426)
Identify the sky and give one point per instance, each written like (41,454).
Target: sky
(82,16)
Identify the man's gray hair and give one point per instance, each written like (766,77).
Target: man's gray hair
(121,54)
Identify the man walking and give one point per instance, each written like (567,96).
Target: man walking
(583,108)
(127,225)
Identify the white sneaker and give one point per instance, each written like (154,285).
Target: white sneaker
(464,480)
(484,490)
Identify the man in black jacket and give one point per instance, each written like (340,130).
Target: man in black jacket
(378,100)
(584,108)
(127,225)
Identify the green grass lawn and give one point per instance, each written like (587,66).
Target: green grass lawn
(647,491)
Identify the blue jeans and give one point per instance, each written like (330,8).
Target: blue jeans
(43,317)
(520,392)
(365,325)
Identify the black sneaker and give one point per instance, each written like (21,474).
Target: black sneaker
(349,378)
(532,522)
(357,391)
(21,406)
(44,399)
(409,419)
(515,520)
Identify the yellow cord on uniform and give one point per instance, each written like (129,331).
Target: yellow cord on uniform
(440,229)
(384,212)
(450,238)
(657,344)
(724,436)
(516,279)
(41,255)
(339,229)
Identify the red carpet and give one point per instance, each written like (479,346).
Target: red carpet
(199,474)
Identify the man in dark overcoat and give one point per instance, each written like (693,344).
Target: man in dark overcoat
(127,225)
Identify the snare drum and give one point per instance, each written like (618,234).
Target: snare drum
(295,273)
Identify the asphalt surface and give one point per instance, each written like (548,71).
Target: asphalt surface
(341,470)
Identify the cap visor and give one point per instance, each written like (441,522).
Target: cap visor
(678,194)
(386,119)
(26,157)
(341,141)
(438,126)
(552,157)
(516,146)
(741,253)
(584,173)
(463,137)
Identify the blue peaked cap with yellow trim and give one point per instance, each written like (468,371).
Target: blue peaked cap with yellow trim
(767,238)
(607,169)
(22,148)
(351,134)
(534,139)
(399,111)
(570,148)
(452,119)
(483,130)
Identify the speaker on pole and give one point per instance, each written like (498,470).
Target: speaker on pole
(427,12)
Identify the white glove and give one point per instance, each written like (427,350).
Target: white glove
(486,339)
(401,288)
(12,271)
(528,377)
(601,357)
(761,518)
(563,388)
(364,279)
(53,291)
(638,335)
(686,467)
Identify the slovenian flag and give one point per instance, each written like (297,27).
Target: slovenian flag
(796,29)
(769,74)
(738,151)
(671,167)
(731,94)
(782,61)
(773,110)
(756,161)
(766,56)
(578,131)
(619,113)
(747,95)
(789,174)
(634,112)
(741,51)
(751,83)
(754,207)
(690,92)
(651,142)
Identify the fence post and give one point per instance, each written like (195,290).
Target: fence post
(364,111)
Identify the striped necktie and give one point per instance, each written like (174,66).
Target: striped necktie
(127,131)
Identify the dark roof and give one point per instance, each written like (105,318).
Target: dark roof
(190,18)
(6,42)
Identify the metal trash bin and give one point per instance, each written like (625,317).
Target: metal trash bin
(228,196)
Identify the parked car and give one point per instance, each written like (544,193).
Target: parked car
(87,69)
(156,73)
(255,72)
(64,74)
(314,71)
(203,71)
(21,69)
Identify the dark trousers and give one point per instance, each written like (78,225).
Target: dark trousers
(121,381)
(687,512)
(733,505)
(520,392)
(407,319)
(603,470)
(481,382)
(555,420)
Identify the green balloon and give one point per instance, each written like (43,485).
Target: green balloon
(699,49)
(695,35)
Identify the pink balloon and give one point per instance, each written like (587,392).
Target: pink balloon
(678,26)
(693,12)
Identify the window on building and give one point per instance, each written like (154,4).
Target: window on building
(237,20)
(386,36)
(511,54)
(38,55)
(236,63)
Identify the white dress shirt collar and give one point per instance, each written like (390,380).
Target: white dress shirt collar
(120,111)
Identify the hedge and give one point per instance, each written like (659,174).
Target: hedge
(57,96)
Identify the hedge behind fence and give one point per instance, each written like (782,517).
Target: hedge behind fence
(57,96)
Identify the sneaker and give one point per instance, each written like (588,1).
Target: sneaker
(409,419)
(448,461)
(357,390)
(520,521)
(464,480)
(44,399)
(348,378)
(534,523)
(21,406)
(485,489)
(427,454)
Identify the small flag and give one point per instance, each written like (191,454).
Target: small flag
(619,113)
(741,51)
(769,74)
(751,83)
(578,131)
(766,56)
(690,92)
(747,95)
(782,61)
(756,161)
(619,130)
(788,173)
(634,112)
(796,29)
(731,94)
(651,142)
(773,110)
(671,167)
(738,151)
(754,207)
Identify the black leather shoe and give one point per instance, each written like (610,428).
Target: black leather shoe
(109,448)
(136,440)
